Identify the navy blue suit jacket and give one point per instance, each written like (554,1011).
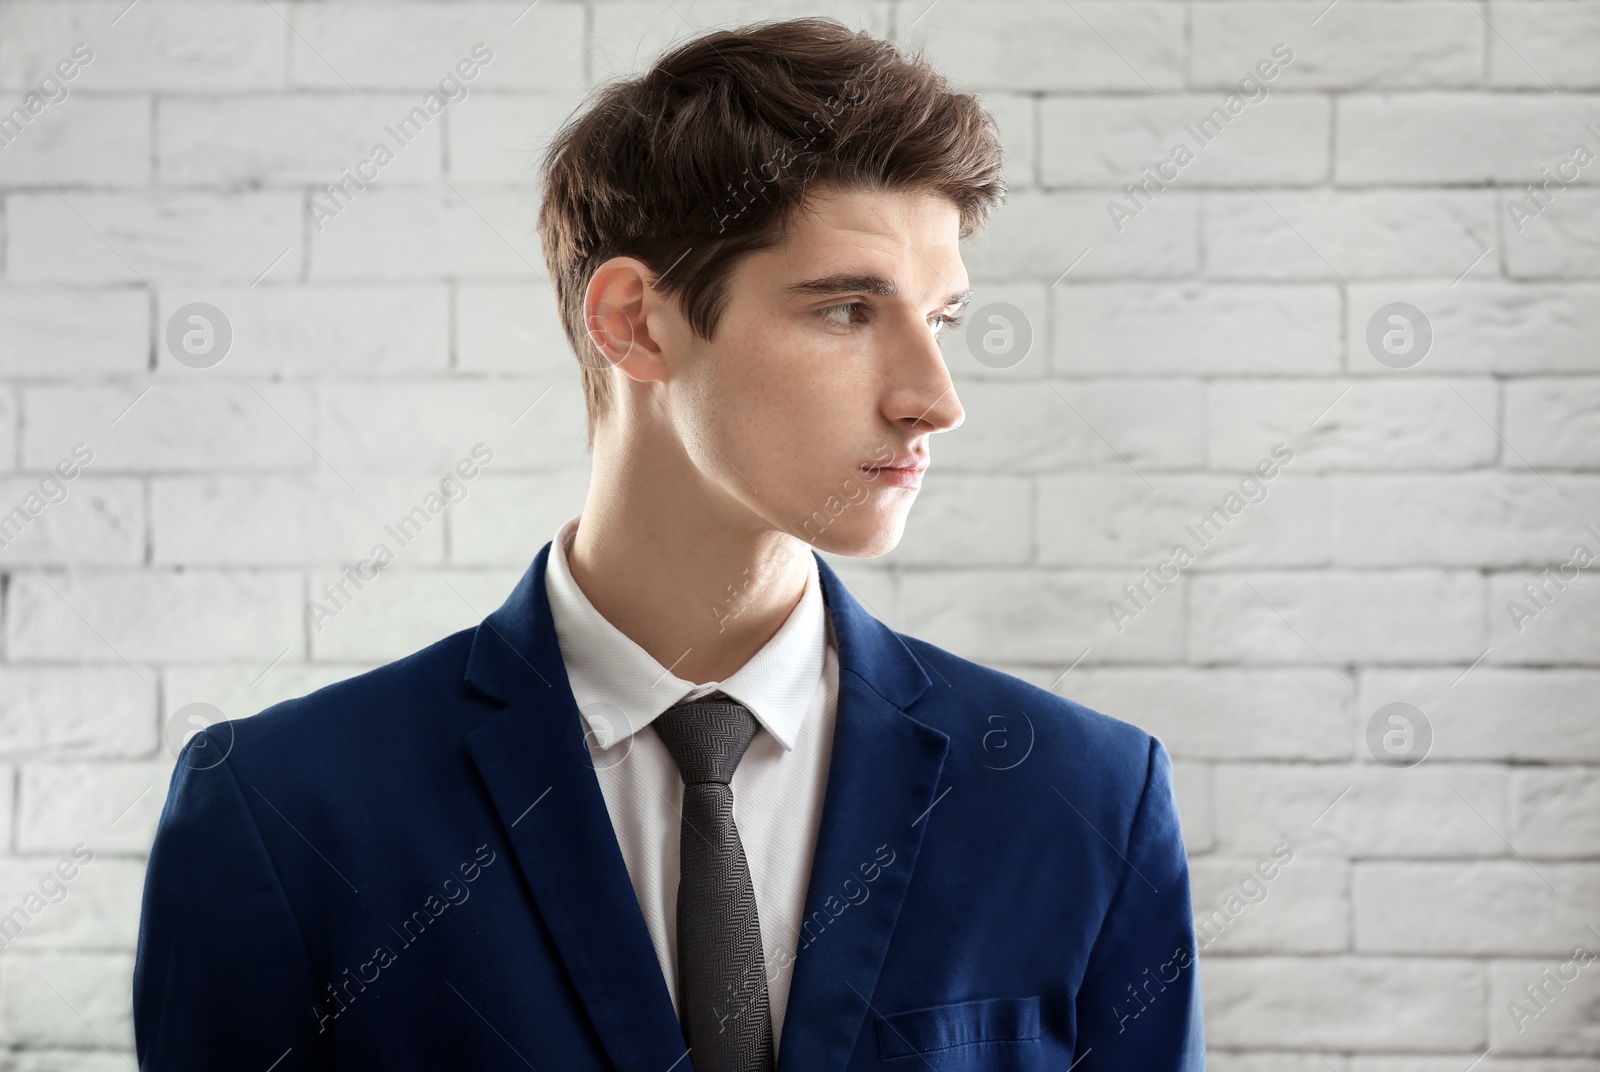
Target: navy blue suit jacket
(415,869)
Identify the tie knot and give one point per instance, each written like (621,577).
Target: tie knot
(707,737)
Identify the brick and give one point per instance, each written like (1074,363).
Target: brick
(97,908)
(1193,330)
(1025,427)
(1403,424)
(427,427)
(1509,328)
(397,233)
(1353,1004)
(111,807)
(1045,616)
(1303,908)
(1555,720)
(173,427)
(1457,138)
(508,518)
(502,138)
(285,521)
(79,711)
(402,610)
(310,138)
(512,329)
(104,331)
(1562,630)
(1554,422)
(1043,234)
(1557,812)
(1285,521)
(8,781)
(1358,234)
(1104,141)
(327,331)
(154,236)
(411,45)
(9,435)
(80,140)
(1562,241)
(64,1061)
(1224,713)
(1388,616)
(1452,1063)
(99,521)
(1540,45)
(1360,44)
(1397,906)
(163,45)
(1277,1061)
(1430,810)
(1037,46)
(193,616)
(1566,1020)
(85,1005)
(1469,519)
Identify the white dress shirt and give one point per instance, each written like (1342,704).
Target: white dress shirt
(791,686)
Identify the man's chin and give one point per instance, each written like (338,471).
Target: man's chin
(870,536)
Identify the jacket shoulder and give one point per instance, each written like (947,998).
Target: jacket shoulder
(987,712)
(384,703)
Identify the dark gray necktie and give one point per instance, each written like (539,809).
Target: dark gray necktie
(722,975)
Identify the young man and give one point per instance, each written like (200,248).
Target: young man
(682,801)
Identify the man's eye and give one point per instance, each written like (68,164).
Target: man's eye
(940,321)
(849,309)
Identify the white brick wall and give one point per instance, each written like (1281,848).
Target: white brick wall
(1230,312)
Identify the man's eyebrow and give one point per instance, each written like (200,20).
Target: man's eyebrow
(865,283)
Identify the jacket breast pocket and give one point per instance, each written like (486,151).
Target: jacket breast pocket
(994,1034)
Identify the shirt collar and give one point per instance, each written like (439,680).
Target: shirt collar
(621,688)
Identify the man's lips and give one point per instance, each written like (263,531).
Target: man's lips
(900,473)
(909,464)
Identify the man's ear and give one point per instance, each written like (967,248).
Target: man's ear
(615,309)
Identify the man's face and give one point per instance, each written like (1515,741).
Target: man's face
(818,374)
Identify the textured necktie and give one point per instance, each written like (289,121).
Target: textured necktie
(722,976)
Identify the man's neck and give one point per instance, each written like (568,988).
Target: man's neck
(701,601)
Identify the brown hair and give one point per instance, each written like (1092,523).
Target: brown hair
(704,158)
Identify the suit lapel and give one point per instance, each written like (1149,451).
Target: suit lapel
(536,764)
(882,781)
